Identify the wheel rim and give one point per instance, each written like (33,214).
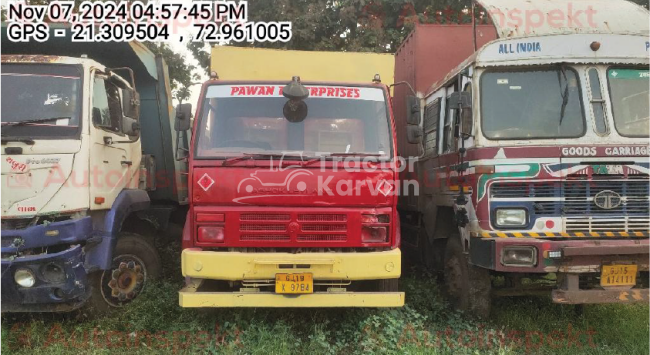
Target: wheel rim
(124,281)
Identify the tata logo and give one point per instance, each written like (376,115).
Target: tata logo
(607,199)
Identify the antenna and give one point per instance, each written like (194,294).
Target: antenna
(474,24)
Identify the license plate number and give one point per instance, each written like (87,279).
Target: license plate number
(294,283)
(618,275)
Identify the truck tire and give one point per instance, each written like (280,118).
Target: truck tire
(467,287)
(135,263)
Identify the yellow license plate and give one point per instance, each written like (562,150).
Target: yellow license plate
(294,283)
(618,275)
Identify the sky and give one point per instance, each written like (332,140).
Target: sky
(178,47)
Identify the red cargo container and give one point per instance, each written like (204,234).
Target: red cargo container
(427,54)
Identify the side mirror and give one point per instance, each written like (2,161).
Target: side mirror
(463,98)
(131,127)
(97,116)
(414,134)
(466,122)
(131,103)
(413,116)
(183,116)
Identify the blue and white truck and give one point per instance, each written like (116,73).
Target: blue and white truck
(90,176)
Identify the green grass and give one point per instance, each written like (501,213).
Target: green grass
(426,325)
(154,323)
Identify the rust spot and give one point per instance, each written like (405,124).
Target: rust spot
(37,58)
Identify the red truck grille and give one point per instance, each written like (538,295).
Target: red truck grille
(322,238)
(264,238)
(263,227)
(324,227)
(264,217)
(321,227)
(322,218)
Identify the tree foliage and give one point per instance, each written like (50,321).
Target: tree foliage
(326,25)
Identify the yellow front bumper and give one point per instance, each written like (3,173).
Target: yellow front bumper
(237,266)
(189,299)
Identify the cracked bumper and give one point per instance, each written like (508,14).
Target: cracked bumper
(27,248)
(50,293)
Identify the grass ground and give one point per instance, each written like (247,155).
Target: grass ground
(155,323)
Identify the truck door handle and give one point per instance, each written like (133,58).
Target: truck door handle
(126,162)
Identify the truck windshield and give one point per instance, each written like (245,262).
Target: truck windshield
(40,100)
(630,96)
(529,104)
(249,119)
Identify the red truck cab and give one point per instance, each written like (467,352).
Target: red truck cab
(292,211)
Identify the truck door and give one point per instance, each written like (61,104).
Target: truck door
(110,153)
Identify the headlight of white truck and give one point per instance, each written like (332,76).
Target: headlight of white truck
(24,277)
(511,217)
(522,256)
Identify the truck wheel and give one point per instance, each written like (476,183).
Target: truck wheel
(467,287)
(135,263)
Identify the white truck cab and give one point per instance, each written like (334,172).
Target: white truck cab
(89,177)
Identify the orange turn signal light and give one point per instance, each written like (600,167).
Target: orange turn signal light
(484,169)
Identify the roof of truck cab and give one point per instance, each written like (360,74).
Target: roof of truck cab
(615,49)
(37,58)
(565,17)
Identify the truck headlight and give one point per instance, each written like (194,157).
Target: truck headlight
(523,256)
(24,277)
(374,234)
(211,234)
(511,217)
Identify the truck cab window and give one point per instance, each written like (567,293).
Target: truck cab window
(106,111)
(431,121)
(48,95)
(531,103)
(232,124)
(448,141)
(597,103)
(628,89)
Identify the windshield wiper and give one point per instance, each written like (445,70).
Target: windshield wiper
(565,95)
(236,159)
(4,125)
(355,155)
(27,141)
(32,121)
(248,156)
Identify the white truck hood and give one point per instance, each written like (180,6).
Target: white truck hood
(29,182)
